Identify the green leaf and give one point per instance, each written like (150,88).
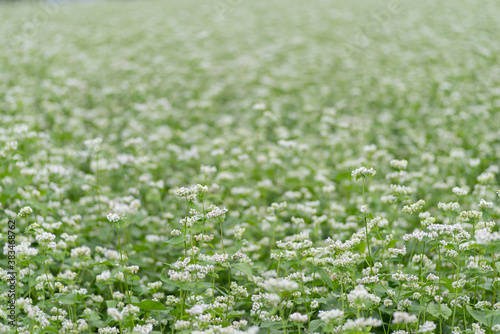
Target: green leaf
(314,325)
(244,268)
(271,324)
(150,305)
(94,316)
(433,309)
(105,263)
(189,286)
(486,318)
(325,277)
(69,299)
(140,248)
(175,241)
(123,223)
(39,259)
(111,303)
(25,263)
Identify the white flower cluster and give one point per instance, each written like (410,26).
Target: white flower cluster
(113,217)
(399,164)
(485,237)
(331,315)
(471,215)
(460,191)
(363,172)
(298,317)
(400,190)
(451,206)
(216,212)
(403,318)
(25,212)
(414,208)
(279,285)
(485,205)
(192,193)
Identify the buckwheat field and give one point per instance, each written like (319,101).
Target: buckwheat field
(234,166)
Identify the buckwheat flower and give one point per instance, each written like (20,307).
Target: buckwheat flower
(182,324)
(364,209)
(358,294)
(476,328)
(298,317)
(113,217)
(329,188)
(25,212)
(80,252)
(403,318)
(486,177)
(451,253)
(69,238)
(208,170)
(485,205)
(33,227)
(144,329)
(484,236)
(155,285)
(482,305)
(496,328)
(115,314)
(45,237)
(369,148)
(488,225)
(380,222)
(414,208)
(399,164)
(81,325)
(104,276)
(216,212)
(11,145)
(238,232)
(388,199)
(119,276)
(109,330)
(279,284)
(331,315)
(314,304)
(361,323)
(471,215)
(460,191)
(451,206)
(117,295)
(428,326)
(132,269)
(93,144)
(197,309)
(259,106)
(190,194)
(398,251)
(130,310)
(363,172)
(176,233)
(432,277)
(401,190)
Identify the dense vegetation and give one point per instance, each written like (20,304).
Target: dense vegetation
(251,167)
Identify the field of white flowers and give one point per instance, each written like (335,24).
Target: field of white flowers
(234,166)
